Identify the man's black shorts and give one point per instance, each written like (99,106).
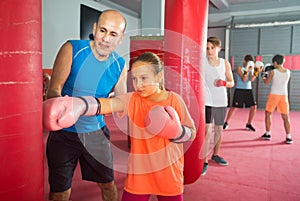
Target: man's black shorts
(92,150)
(243,98)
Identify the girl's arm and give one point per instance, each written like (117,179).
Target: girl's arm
(186,119)
(109,105)
(63,112)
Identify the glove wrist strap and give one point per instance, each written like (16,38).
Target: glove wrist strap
(184,137)
(86,105)
(99,106)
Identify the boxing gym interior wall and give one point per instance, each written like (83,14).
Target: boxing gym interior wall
(65,24)
(264,43)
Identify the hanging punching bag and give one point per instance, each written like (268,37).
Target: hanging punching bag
(185,47)
(21,145)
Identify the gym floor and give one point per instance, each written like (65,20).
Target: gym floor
(258,170)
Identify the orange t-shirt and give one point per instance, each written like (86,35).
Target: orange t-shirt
(155,164)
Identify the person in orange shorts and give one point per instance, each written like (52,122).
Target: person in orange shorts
(278,97)
(159,124)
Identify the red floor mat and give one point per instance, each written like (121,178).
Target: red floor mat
(258,170)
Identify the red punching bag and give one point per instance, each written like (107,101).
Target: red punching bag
(21,143)
(184,48)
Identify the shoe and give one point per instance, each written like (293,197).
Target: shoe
(219,160)
(288,141)
(250,127)
(225,126)
(205,166)
(266,136)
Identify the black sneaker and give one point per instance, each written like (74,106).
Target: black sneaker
(219,160)
(250,127)
(266,136)
(225,126)
(204,170)
(288,141)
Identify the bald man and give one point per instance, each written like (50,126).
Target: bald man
(86,68)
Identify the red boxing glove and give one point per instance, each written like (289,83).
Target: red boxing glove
(220,83)
(63,112)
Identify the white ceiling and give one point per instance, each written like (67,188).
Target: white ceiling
(230,12)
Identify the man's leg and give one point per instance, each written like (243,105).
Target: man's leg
(60,196)
(208,133)
(217,139)
(62,161)
(109,191)
(205,149)
(286,123)
(96,162)
(251,114)
(230,113)
(219,116)
(287,127)
(267,134)
(268,121)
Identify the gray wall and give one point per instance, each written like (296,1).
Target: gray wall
(266,42)
(61,21)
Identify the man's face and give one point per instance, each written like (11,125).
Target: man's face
(108,33)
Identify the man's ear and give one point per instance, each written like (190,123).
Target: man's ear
(94,28)
(121,39)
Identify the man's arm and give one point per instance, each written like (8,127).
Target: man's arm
(121,86)
(252,77)
(268,79)
(61,70)
(241,73)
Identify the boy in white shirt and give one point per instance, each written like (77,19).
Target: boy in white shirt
(278,97)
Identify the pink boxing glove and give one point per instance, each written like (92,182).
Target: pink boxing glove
(164,122)
(220,83)
(63,112)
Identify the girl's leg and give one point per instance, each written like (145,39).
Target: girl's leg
(170,198)
(134,197)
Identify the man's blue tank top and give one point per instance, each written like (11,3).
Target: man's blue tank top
(240,84)
(91,77)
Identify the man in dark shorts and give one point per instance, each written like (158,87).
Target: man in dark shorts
(243,95)
(86,68)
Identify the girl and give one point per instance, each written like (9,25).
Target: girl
(159,123)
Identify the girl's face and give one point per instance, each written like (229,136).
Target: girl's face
(212,51)
(145,81)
